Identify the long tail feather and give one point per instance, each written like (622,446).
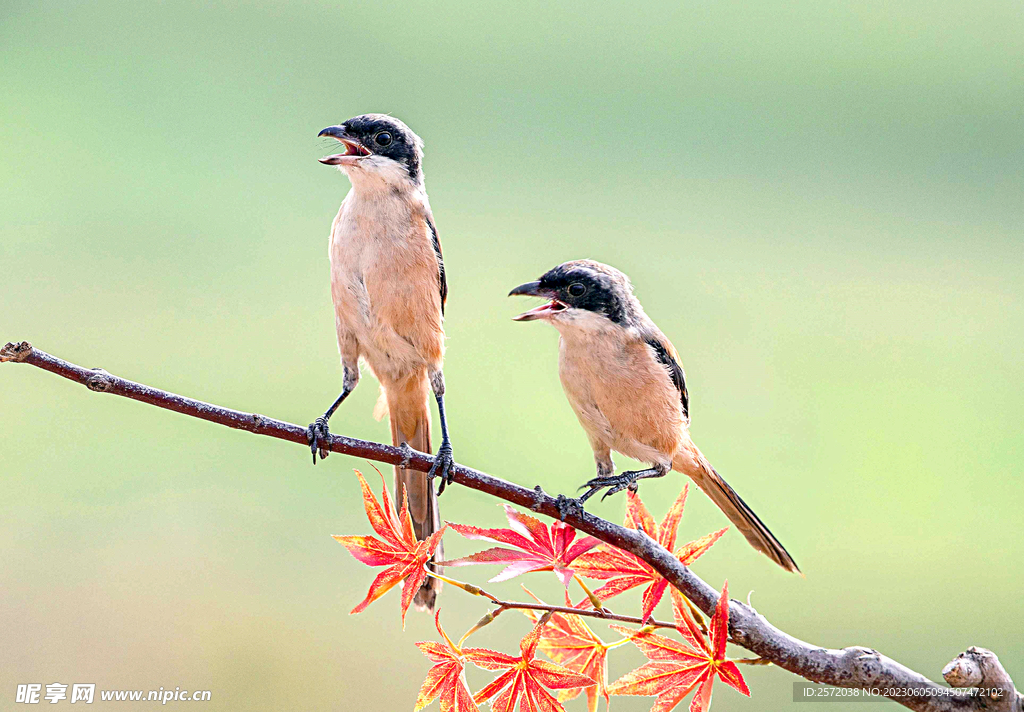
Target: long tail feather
(692,462)
(409,414)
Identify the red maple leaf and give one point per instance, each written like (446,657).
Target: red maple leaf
(525,678)
(537,547)
(447,679)
(569,641)
(675,669)
(624,570)
(399,550)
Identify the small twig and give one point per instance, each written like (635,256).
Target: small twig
(603,613)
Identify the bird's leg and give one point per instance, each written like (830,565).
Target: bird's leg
(617,483)
(605,469)
(443,461)
(318,432)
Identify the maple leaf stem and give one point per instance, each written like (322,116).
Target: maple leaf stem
(594,600)
(697,614)
(751,661)
(486,620)
(469,588)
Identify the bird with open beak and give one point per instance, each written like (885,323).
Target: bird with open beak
(389,290)
(624,381)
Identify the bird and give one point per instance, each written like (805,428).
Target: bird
(389,288)
(624,381)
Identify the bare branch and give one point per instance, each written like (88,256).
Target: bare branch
(853,667)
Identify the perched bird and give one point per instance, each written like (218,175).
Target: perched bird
(389,290)
(624,381)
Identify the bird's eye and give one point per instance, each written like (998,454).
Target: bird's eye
(383,138)
(577,290)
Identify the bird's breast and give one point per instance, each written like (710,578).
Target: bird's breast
(384,282)
(621,394)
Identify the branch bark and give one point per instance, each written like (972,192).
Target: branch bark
(852,667)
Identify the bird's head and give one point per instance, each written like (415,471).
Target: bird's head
(583,294)
(378,148)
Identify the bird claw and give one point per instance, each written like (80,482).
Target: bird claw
(568,505)
(443,467)
(614,483)
(318,434)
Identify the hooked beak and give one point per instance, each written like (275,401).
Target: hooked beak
(354,150)
(533,289)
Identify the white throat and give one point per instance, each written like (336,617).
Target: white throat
(575,323)
(375,174)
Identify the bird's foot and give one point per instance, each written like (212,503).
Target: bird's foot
(318,435)
(614,483)
(443,467)
(568,505)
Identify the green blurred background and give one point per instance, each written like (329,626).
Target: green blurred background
(819,202)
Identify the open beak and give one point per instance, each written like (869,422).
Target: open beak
(354,150)
(533,289)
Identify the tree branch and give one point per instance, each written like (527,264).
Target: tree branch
(853,667)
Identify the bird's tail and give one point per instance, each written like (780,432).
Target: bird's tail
(408,404)
(691,462)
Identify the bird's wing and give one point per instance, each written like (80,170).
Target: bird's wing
(442,282)
(666,354)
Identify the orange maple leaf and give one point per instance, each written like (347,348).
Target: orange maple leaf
(569,641)
(624,570)
(675,669)
(525,678)
(538,548)
(447,679)
(399,550)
